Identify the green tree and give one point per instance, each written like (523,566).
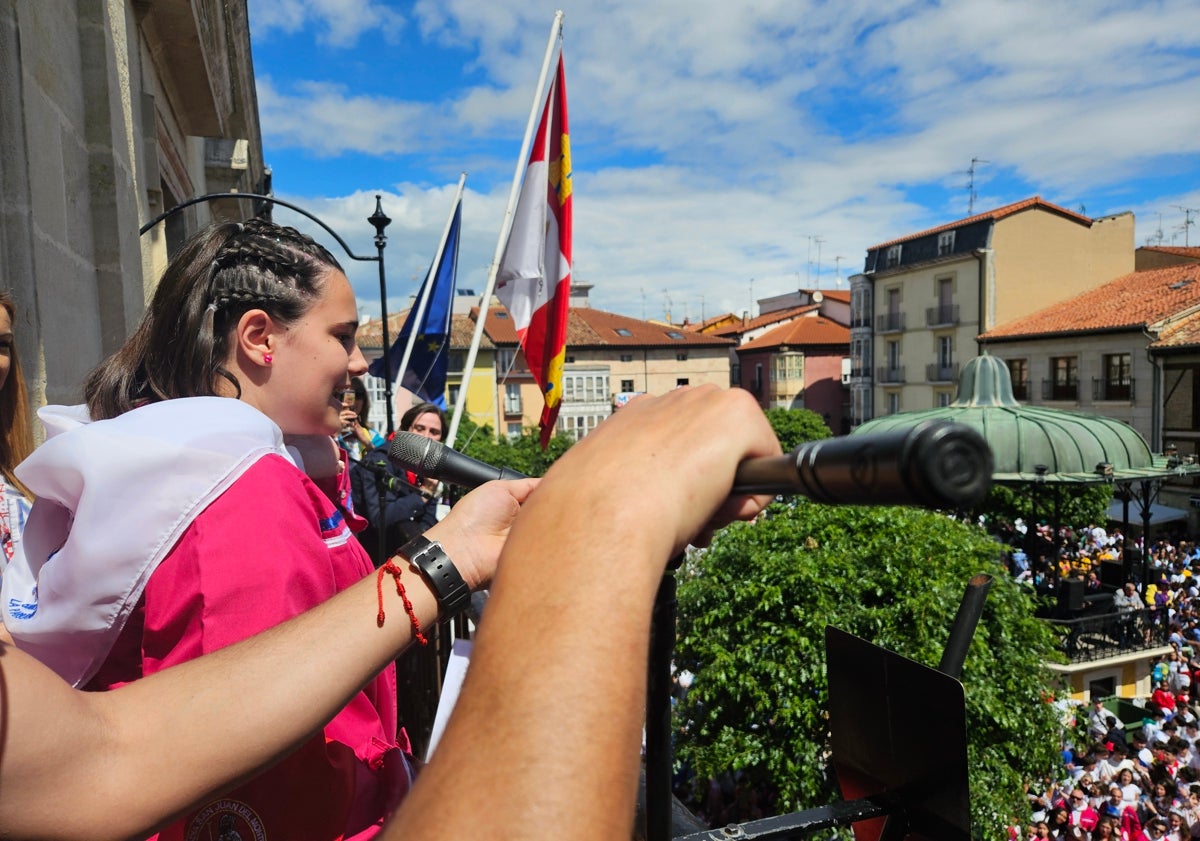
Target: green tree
(753,608)
(1067,505)
(794,427)
(524,454)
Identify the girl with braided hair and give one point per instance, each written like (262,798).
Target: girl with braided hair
(199,498)
(16,439)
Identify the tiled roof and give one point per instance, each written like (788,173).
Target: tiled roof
(739,327)
(1177,250)
(1131,301)
(1178,334)
(590,328)
(462,330)
(803,331)
(993,215)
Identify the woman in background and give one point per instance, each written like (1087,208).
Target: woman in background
(16,436)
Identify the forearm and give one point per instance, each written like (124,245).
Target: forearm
(183,734)
(541,701)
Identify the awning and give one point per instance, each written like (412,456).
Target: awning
(1158,513)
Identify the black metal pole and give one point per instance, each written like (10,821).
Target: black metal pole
(969,611)
(658,711)
(380,220)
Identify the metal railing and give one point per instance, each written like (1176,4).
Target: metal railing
(941,315)
(1103,389)
(890,322)
(1052,390)
(891,375)
(935,373)
(1089,638)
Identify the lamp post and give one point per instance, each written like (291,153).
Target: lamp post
(380,220)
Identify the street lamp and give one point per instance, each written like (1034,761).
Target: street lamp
(380,220)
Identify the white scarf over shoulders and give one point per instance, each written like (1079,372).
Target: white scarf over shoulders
(112,499)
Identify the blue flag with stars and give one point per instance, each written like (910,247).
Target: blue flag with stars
(426,373)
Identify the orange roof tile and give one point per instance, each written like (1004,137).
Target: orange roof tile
(1131,301)
(739,327)
(994,215)
(590,327)
(802,331)
(1177,250)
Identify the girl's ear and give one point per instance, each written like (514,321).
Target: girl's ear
(255,337)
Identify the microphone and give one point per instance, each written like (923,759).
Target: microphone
(935,464)
(427,457)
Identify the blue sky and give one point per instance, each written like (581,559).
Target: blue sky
(727,150)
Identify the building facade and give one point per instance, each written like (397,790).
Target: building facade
(922,299)
(112,113)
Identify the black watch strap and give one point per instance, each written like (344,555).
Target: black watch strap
(428,556)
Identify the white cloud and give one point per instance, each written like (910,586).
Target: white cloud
(339,23)
(714,139)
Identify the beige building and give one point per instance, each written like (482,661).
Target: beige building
(610,359)
(112,113)
(923,298)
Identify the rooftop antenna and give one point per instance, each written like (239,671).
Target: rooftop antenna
(667,295)
(971,184)
(837,268)
(1188,221)
(1157,237)
(818,241)
(752,297)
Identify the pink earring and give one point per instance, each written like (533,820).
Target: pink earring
(267,358)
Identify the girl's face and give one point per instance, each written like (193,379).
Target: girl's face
(6,346)
(312,362)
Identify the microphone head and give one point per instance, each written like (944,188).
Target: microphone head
(417,453)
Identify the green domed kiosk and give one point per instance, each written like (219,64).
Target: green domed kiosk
(1038,445)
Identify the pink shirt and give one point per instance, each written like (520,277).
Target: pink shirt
(270,547)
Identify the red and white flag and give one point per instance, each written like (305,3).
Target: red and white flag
(533,280)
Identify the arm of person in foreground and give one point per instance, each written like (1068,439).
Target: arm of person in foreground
(91,765)
(544,740)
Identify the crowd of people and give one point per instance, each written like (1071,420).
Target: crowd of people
(1128,780)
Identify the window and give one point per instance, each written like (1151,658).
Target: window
(945,351)
(626,357)
(1064,382)
(1018,370)
(787,366)
(945,243)
(893,256)
(1116,384)
(893,355)
(893,402)
(625,332)
(943,399)
(681,356)
(675,334)
(758,378)
(893,318)
(457,361)
(568,360)
(512,399)
(504,359)
(681,381)
(514,430)
(626,386)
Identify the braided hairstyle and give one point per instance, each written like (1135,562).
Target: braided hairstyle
(222,272)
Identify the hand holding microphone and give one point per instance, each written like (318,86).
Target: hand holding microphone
(935,464)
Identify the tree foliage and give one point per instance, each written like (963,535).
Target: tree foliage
(1061,504)
(524,454)
(753,608)
(794,427)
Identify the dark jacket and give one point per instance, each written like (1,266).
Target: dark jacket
(405,512)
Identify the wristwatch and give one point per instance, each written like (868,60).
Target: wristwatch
(430,559)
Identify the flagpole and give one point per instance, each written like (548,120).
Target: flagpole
(505,227)
(427,287)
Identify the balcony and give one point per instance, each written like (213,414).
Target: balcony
(1067,392)
(943,315)
(1021,391)
(890,322)
(1097,637)
(860,321)
(935,373)
(1114,390)
(890,375)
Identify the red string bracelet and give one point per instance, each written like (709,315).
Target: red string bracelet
(395,571)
